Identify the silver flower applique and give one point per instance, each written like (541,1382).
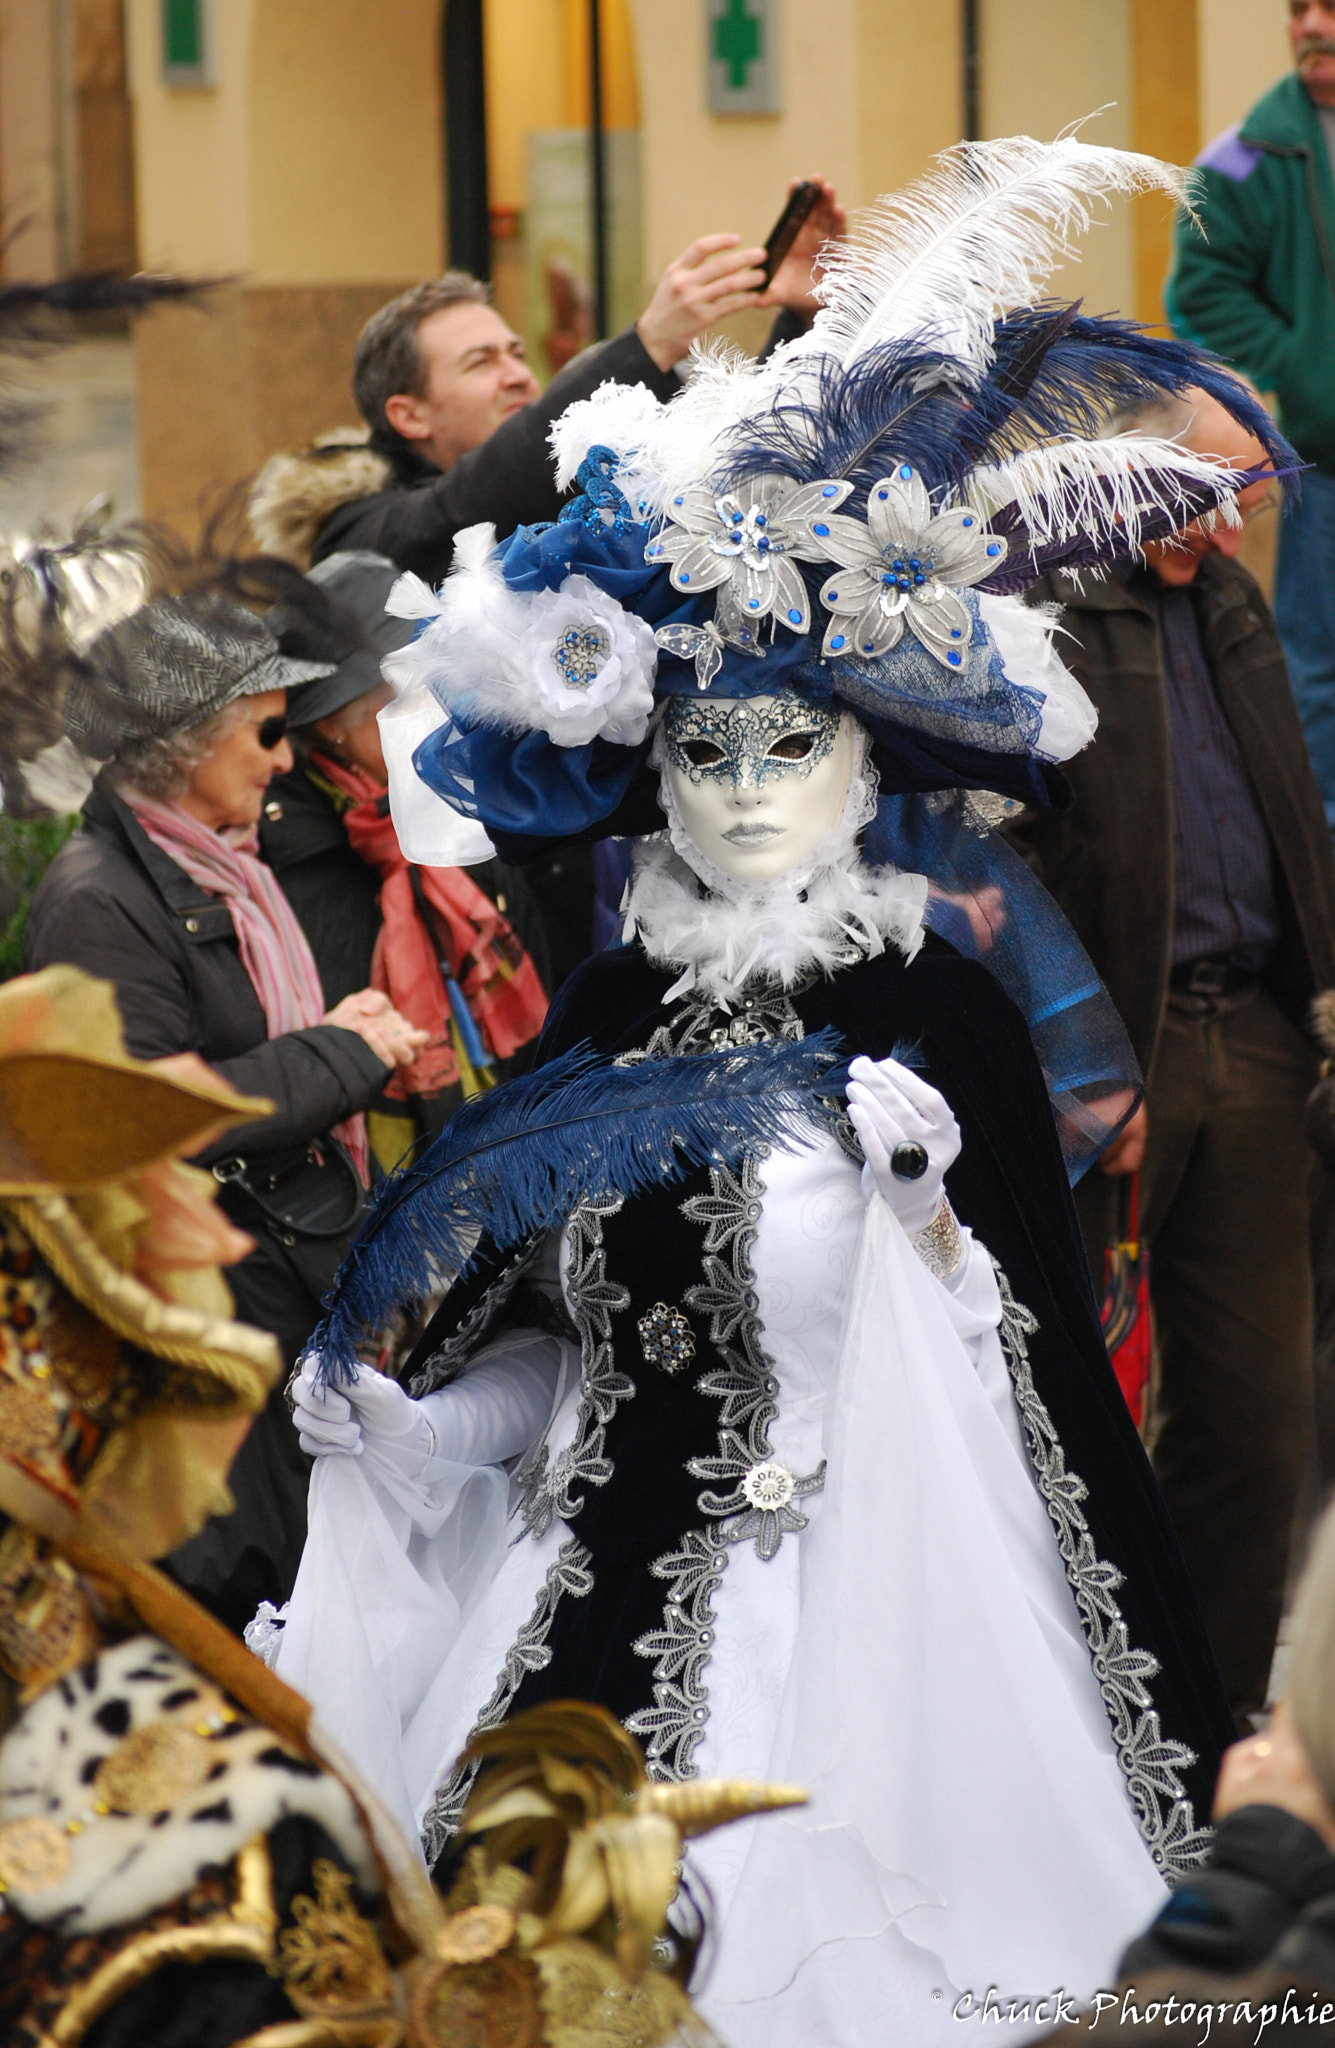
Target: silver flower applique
(904,568)
(746,544)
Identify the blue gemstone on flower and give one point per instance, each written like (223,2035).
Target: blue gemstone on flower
(754,603)
(736,518)
(679,501)
(968,522)
(904,470)
(823,531)
(868,646)
(953,658)
(883,494)
(829,491)
(830,596)
(761,519)
(954,632)
(684,576)
(795,617)
(994,549)
(838,640)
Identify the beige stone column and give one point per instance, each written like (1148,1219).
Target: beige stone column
(308,177)
(32,138)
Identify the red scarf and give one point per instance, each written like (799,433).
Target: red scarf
(476,944)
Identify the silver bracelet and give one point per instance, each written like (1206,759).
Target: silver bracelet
(940,1246)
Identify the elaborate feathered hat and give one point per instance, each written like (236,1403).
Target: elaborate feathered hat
(852,520)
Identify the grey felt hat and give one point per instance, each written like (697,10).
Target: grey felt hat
(171,665)
(354,632)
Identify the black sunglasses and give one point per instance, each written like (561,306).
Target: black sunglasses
(270,732)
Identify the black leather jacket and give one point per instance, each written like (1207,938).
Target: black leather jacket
(508,480)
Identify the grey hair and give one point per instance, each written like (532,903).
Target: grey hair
(1312,1683)
(385,361)
(1167,418)
(162,768)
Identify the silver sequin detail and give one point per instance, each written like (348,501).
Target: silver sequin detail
(665,1338)
(546,1492)
(743,735)
(569,1575)
(905,567)
(746,544)
(744,1382)
(450,1356)
(681,1649)
(579,655)
(939,1245)
(545,1483)
(1150,1762)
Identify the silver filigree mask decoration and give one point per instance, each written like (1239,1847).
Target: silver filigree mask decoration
(747,744)
(905,567)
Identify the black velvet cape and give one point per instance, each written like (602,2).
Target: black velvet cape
(1009,1185)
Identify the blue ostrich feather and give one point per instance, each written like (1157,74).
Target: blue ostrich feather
(520,1159)
(1056,374)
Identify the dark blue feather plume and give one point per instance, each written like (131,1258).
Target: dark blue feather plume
(1056,374)
(520,1159)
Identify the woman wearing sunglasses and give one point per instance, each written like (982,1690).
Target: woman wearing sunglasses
(161,892)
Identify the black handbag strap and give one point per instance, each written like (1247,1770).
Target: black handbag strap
(235,1172)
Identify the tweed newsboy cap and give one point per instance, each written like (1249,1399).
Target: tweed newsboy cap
(171,665)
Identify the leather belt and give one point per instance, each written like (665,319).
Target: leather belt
(1210,978)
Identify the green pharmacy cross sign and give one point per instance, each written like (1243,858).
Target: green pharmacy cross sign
(741,58)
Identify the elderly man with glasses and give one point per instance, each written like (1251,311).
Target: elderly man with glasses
(1197,868)
(1254,278)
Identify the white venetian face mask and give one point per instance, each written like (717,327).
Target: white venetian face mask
(758,782)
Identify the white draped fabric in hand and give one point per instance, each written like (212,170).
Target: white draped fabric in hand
(914,1656)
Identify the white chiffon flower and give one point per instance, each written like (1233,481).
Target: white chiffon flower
(589,664)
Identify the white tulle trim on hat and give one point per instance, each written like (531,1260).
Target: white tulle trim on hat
(1022,635)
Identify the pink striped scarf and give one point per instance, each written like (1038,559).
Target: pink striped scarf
(274,949)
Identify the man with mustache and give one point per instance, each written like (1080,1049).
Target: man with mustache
(1254,278)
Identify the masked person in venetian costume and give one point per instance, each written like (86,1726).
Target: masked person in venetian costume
(183,1858)
(769,1407)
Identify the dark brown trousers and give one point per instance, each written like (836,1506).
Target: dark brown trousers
(1224,1209)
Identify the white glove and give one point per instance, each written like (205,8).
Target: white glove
(368,1410)
(888,1105)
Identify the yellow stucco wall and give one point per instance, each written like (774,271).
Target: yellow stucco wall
(314,159)
(1243,50)
(1045,64)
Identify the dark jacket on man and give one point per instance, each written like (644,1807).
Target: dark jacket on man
(380,493)
(1109,859)
(116,905)
(1254,274)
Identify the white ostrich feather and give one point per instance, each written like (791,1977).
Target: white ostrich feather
(617,416)
(1089,487)
(979,234)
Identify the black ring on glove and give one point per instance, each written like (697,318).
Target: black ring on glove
(909,1162)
